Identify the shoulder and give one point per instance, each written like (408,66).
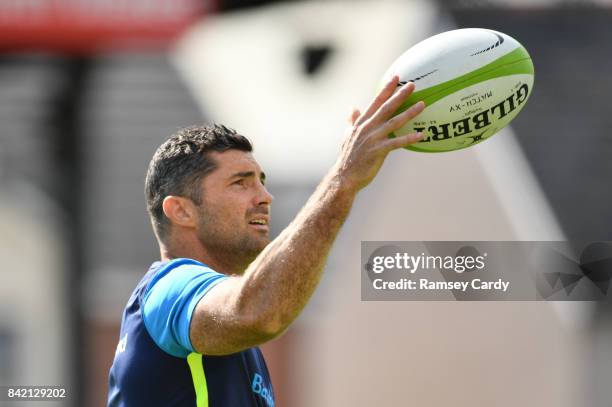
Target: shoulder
(170,298)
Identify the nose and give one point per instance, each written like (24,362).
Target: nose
(264,197)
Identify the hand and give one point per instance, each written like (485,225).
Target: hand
(367,143)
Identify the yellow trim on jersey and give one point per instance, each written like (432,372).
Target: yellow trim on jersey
(199,379)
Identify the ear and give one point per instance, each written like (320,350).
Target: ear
(181,211)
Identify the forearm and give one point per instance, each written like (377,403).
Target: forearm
(278,284)
(252,308)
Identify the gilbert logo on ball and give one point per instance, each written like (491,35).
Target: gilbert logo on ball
(474,82)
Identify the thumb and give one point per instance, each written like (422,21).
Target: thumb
(355,113)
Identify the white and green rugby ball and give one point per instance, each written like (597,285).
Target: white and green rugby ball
(473,81)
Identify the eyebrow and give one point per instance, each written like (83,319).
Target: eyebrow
(247,174)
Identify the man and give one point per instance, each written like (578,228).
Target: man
(191,328)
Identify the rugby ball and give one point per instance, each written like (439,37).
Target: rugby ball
(473,81)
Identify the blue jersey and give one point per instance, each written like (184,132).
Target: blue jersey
(155,363)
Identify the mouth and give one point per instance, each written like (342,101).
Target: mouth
(259,223)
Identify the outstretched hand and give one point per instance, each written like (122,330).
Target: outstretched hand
(367,141)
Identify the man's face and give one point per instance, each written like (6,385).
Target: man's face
(235,211)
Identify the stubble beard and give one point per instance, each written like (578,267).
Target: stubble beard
(235,249)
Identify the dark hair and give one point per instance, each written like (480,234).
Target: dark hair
(181,162)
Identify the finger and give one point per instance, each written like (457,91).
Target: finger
(382,96)
(402,141)
(398,121)
(391,105)
(354,116)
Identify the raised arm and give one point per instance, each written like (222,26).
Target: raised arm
(248,310)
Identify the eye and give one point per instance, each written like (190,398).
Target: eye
(239,182)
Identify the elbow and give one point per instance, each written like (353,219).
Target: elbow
(271,328)
(266,328)
(262,322)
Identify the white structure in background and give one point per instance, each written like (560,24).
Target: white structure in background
(244,70)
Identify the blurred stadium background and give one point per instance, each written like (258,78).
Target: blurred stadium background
(90,88)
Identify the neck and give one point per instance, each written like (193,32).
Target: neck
(221,262)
